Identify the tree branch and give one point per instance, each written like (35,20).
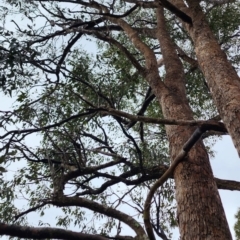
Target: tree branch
(180,157)
(183,16)
(217,126)
(103,209)
(43,233)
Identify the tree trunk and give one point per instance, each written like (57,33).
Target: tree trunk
(221,77)
(200,211)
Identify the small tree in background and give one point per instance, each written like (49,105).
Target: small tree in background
(237,225)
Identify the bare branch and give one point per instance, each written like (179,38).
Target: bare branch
(43,233)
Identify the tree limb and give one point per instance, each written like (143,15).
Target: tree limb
(183,16)
(180,157)
(43,233)
(103,209)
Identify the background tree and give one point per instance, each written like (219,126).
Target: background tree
(110,120)
(237,225)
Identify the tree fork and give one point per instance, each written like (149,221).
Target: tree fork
(222,79)
(200,211)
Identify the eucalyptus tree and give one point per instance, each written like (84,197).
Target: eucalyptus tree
(114,92)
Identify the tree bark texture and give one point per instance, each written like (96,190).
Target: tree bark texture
(200,211)
(221,77)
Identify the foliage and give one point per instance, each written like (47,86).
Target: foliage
(65,91)
(237,225)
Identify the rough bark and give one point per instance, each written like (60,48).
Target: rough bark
(200,211)
(221,77)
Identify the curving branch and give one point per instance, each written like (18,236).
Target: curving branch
(215,125)
(32,130)
(96,207)
(29,210)
(180,157)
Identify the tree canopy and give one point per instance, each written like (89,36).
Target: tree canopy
(117,105)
